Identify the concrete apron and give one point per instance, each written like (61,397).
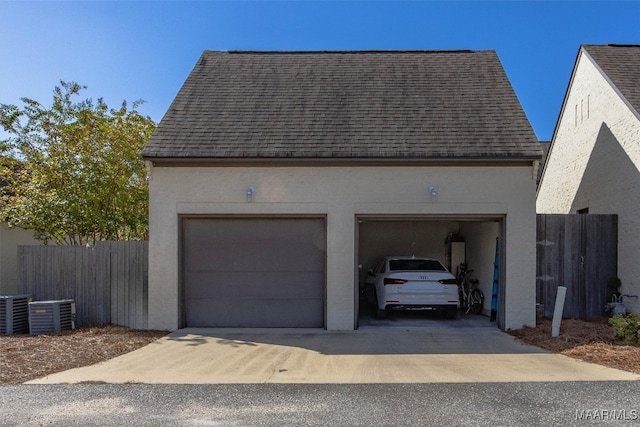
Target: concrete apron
(367,355)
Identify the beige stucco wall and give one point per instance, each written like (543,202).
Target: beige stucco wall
(10,239)
(481,253)
(594,163)
(341,194)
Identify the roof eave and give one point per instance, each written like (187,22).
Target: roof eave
(289,161)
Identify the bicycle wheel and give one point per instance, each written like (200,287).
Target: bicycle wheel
(477,300)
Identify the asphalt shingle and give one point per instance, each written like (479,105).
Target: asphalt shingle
(345,105)
(621,63)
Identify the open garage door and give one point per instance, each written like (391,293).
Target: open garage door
(380,236)
(254,272)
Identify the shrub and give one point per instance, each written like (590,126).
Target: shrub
(627,327)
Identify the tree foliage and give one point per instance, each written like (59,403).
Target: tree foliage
(73,171)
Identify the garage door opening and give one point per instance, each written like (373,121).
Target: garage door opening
(253,272)
(451,241)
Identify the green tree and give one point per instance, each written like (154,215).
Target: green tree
(73,172)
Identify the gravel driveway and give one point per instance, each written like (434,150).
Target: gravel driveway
(500,404)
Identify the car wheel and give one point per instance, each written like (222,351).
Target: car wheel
(452,312)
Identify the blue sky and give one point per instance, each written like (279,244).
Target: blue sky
(145,49)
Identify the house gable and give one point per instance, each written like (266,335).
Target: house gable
(592,99)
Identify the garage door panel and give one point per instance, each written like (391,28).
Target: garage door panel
(254,272)
(276,313)
(253,244)
(255,284)
(267,260)
(272,255)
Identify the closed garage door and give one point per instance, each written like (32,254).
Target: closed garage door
(254,272)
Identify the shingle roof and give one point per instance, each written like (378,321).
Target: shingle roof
(350,105)
(545,145)
(621,63)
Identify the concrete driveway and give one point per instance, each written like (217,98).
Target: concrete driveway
(392,351)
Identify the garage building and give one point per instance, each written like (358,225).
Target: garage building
(277,179)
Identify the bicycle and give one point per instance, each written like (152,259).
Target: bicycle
(471,298)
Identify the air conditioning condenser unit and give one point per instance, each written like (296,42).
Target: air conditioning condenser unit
(14,314)
(51,316)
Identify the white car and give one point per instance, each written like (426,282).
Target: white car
(409,283)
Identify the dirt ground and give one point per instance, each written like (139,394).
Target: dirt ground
(26,357)
(592,341)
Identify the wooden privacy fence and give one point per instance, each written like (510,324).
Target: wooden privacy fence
(579,252)
(108,281)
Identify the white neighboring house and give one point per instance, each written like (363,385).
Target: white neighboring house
(594,160)
(277,179)
(10,239)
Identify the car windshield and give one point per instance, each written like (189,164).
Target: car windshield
(415,265)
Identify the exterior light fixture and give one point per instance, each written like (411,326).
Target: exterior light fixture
(250,191)
(433,191)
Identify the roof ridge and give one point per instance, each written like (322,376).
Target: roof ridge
(350,51)
(611,45)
